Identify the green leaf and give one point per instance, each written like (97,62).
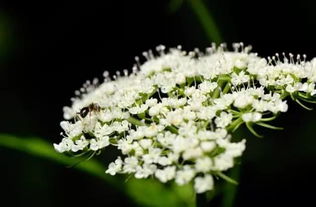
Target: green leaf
(152,193)
(42,149)
(143,192)
(185,193)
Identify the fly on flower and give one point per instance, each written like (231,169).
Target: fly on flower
(93,107)
(89,121)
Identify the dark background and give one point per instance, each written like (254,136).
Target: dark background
(49,48)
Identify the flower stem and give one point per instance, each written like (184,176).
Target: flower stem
(135,121)
(206,20)
(227,88)
(200,200)
(230,191)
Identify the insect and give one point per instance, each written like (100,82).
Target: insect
(93,107)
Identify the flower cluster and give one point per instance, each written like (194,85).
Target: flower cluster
(173,117)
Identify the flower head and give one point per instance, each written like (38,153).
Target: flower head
(174,115)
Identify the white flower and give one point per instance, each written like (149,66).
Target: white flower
(99,143)
(251,117)
(180,79)
(223,162)
(151,131)
(138,109)
(190,91)
(240,78)
(70,129)
(188,114)
(203,164)
(153,155)
(145,143)
(125,145)
(207,146)
(137,149)
(145,171)
(290,89)
(164,161)
(203,184)
(192,153)
(68,113)
(180,144)
(151,102)
(106,116)
(166,174)
(130,164)
(185,175)
(115,167)
(206,113)
(207,87)
(80,144)
(241,63)
(65,145)
(223,120)
(170,114)
(101,131)
(175,117)
(243,100)
(155,110)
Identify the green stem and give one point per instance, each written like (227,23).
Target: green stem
(172,129)
(269,126)
(227,178)
(206,20)
(135,121)
(235,124)
(227,88)
(229,193)
(216,93)
(251,129)
(302,105)
(218,89)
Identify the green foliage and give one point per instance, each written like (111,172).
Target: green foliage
(152,193)
(147,192)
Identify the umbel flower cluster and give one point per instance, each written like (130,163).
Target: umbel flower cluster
(173,117)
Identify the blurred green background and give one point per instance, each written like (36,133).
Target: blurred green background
(49,48)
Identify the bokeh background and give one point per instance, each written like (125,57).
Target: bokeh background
(49,48)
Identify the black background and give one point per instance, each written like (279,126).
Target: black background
(49,48)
